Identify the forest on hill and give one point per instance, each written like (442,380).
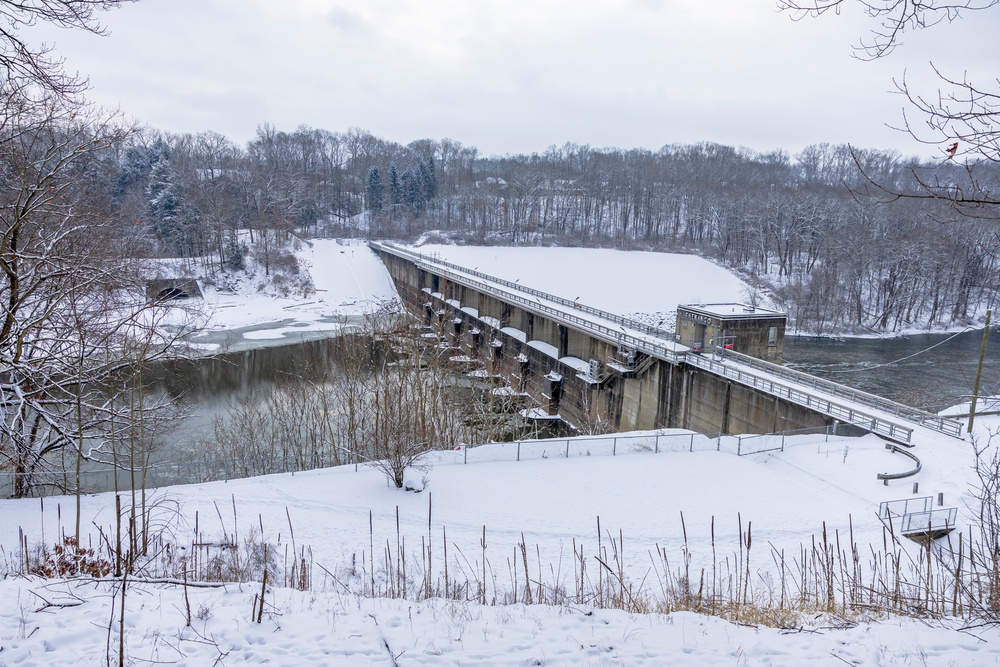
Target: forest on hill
(817,230)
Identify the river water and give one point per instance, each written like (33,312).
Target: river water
(929,371)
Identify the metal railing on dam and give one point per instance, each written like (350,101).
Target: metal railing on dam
(517,287)
(873,413)
(921,417)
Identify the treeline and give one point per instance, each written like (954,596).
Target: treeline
(811,228)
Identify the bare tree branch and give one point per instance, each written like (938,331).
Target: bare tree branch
(894,18)
(961,111)
(24,64)
(963,118)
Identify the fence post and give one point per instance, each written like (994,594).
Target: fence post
(567,448)
(614,447)
(739,445)
(782,441)
(826,431)
(691,449)
(718,442)
(518,450)
(465,454)
(656,447)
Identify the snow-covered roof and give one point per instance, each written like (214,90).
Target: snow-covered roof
(731,310)
(544,348)
(515,333)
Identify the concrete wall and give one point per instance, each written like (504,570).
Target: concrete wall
(714,404)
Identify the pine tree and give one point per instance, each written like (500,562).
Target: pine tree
(164,204)
(374,190)
(395,189)
(136,165)
(235,255)
(413,192)
(430,180)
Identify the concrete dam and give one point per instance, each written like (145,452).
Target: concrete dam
(596,369)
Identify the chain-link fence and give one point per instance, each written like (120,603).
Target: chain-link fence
(618,444)
(106,478)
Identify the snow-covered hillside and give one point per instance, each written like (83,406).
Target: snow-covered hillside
(343,281)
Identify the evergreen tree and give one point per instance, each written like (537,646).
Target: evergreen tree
(164,203)
(413,192)
(429,178)
(136,165)
(374,190)
(235,255)
(395,188)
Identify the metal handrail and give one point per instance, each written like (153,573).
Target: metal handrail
(889,508)
(932,421)
(940,518)
(847,414)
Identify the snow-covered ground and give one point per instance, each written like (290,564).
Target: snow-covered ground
(339,630)
(347,282)
(347,518)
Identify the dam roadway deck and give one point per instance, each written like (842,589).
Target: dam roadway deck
(693,390)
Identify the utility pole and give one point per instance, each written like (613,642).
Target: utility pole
(979,372)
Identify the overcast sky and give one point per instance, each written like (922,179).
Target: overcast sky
(516,76)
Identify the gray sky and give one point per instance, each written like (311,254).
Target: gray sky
(516,76)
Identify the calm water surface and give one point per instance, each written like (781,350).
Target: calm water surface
(930,371)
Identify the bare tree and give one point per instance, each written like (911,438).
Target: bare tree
(75,321)
(894,17)
(393,395)
(36,66)
(962,117)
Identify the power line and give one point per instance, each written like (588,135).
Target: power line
(910,356)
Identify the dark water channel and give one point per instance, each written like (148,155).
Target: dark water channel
(929,371)
(208,386)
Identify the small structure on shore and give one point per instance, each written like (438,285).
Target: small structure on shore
(164,289)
